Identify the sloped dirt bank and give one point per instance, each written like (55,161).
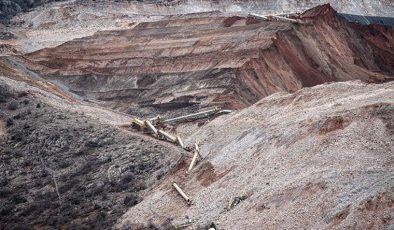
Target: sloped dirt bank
(67,170)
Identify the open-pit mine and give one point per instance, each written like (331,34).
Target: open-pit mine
(190,114)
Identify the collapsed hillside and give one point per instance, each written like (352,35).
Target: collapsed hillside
(320,157)
(310,145)
(194,61)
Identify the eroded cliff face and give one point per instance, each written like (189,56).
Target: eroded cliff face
(362,7)
(326,49)
(188,62)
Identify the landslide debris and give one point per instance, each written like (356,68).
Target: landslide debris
(66,170)
(320,158)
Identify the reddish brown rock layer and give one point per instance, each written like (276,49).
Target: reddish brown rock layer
(186,62)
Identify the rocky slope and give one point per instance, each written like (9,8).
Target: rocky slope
(8,8)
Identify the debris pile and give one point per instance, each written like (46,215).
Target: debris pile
(152,127)
(155,125)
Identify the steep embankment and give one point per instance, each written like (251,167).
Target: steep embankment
(326,49)
(319,158)
(160,66)
(188,62)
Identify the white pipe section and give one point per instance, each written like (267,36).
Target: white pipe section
(184,196)
(194,160)
(194,115)
(288,19)
(139,123)
(180,142)
(197,149)
(151,127)
(167,136)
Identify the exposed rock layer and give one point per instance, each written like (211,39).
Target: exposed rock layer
(193,61)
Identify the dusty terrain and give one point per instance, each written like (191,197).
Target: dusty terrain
(309,144)
(319,158)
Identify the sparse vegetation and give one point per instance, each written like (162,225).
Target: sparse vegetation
(13,105)
(131,200)
(10,8)
(5,93)
(9,122)
(68,183)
